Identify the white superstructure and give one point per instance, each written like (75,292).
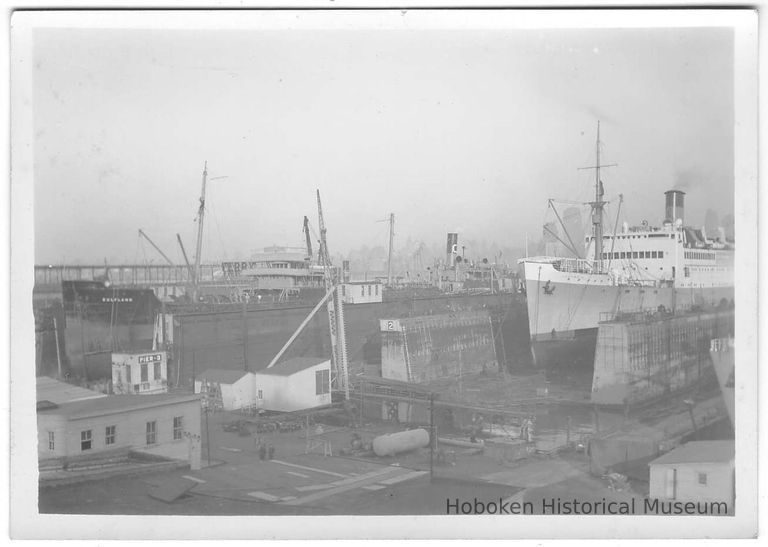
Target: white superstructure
(636,268)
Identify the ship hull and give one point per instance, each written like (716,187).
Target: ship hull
(564,309)
(567,357)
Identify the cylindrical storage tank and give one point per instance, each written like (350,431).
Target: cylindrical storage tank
(389,445)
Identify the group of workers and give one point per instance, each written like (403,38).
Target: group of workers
(265,450)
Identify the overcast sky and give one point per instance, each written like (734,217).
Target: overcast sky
(461,130)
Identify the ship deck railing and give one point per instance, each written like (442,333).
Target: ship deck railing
(579,265)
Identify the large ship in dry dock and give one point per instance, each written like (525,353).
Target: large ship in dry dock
(637,268)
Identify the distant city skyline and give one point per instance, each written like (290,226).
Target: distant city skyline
(451,130)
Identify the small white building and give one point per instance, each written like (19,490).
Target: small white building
(144,373)
(294,384)
(361,292)
(226,389)
(695,471)
(161,425)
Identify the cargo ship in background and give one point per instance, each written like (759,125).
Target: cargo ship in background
(638,268)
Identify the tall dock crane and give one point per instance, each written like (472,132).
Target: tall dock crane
(335,306)
(335,310)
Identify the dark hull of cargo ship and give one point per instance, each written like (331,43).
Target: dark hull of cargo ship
(95,301)
(248,339)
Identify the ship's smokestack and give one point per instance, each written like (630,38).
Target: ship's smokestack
(674,206)
(451,249)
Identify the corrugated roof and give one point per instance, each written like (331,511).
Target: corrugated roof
(223,376)
(114,404)
(58,392)
(294,365)
(699,452)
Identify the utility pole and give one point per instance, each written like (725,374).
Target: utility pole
(58,351)
(207,436)
(432,439)
(391,237)
(245,334)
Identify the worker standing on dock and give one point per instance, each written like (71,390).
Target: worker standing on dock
(527,429)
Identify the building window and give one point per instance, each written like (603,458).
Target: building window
(51,441)
(261,394)
(111,434)
(144,373)
(128,375)
(661,254)
(151,432)
(362,290)
(343,290)
(322,382)
(703,479)
(158,372)
(178,427)
(377,290)
(85,440)
(369,290)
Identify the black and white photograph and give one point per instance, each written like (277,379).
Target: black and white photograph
(384,263)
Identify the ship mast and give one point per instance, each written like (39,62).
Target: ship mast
(598,205)
(597,208)
(199,246)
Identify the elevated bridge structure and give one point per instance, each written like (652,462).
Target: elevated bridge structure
(166,280)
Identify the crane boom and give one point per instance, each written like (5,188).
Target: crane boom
(145,236)
(186,260)
(305,229)
(335,311)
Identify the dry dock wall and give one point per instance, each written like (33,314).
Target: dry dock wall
(651,356)
(248,340)
(420,349)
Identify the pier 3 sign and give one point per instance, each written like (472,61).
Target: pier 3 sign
(154,358)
